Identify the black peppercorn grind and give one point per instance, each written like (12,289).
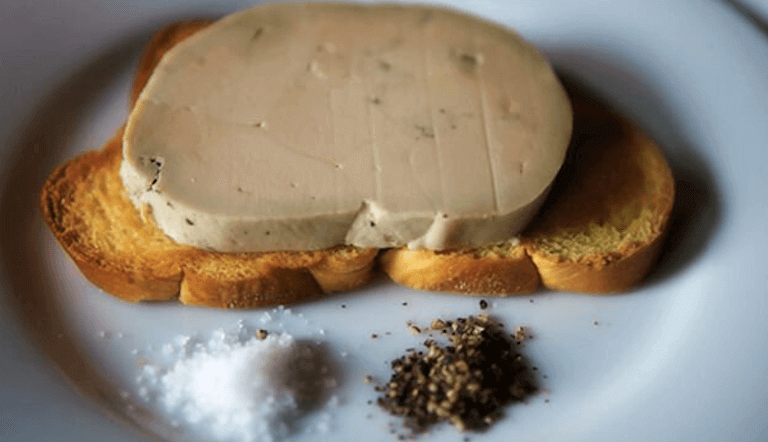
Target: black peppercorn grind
(467,383)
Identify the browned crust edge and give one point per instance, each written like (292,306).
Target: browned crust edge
(601,275)
(462,272)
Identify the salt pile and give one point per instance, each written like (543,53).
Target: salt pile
(243,386)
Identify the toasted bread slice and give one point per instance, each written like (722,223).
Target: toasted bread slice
(605,223)
(600,230)
(85,205)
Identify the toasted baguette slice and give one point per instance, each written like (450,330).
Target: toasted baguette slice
(600,230)
(85,205)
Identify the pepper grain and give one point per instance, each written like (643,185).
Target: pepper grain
(467,383)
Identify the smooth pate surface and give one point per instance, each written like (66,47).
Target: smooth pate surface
(304,126)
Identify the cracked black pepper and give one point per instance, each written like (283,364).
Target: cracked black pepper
(467,383)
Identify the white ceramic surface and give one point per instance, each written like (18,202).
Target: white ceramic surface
(684,358)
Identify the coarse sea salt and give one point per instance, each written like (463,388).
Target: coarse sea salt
(236,387)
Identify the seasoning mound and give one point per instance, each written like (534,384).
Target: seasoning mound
(467,383)
(242,389)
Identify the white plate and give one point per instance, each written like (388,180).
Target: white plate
(683,358)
